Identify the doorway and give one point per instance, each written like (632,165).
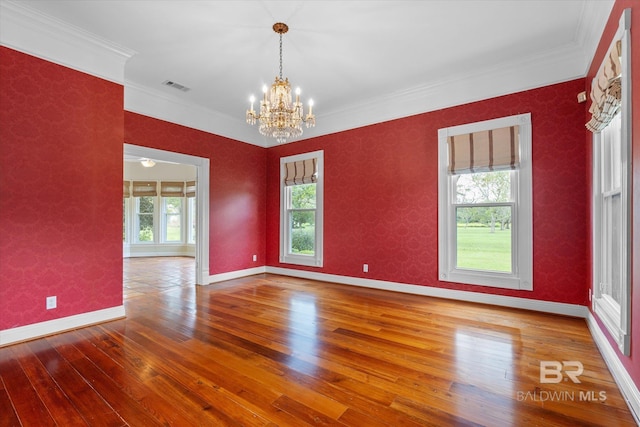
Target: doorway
(202,200)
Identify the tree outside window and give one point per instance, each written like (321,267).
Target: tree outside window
(483,218)
(302,214)
(145,206)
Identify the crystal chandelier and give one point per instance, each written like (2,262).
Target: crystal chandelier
(279,117)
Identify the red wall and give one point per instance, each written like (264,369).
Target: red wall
(61,137)
(381,194)
(632,364)
(237,187)
(61,224)
(61,134)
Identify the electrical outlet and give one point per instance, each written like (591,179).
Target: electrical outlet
(52,302)
(365,268)
(255,258)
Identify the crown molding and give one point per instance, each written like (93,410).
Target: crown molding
(152,103)
(563,64)
(593,21)
(566,62)
(29,31)
(32,32)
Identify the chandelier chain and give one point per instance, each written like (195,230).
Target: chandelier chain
(280,56)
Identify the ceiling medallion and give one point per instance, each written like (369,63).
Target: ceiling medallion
(279,117)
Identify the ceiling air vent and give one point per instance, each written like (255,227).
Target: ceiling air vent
(176,85)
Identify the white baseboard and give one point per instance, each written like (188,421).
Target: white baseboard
(49,327)
(620,375)
(154,253)
(501,300)
(236,274)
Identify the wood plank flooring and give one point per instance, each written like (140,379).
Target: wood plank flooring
(270,350)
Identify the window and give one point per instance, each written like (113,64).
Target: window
(484,203)
(172,193)
(164,218)
(301,213)
(145,209)
(144,193)
(172,219)
(611,124)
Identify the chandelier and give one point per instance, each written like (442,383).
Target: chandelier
(279,117)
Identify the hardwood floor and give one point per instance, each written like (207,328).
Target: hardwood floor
(270,350)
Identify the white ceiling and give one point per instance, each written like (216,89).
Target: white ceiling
(361,61)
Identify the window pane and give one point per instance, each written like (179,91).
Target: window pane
(613,263)
(173,228)
(145,204)
(303,196)
(483,238)
(145,230)
(173,205)
(303,232)
(145,218)
(483,187)
(611,157)
(173,221)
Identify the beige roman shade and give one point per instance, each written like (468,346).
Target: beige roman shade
(126,189)
(144,188)
(172,188)
(606,90)
(484,151)
(191,189)
(301,172)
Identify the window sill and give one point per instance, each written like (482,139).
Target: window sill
(306,260)
(489,279)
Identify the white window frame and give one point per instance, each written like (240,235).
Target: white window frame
(615,317)
(191,218)
(287,257)
(127,219)
(164,222)
(522,215)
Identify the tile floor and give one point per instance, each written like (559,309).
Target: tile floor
(143,276)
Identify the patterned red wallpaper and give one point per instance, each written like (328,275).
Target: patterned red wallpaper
(61,133)
(381,194)
(632,364)
(237,187)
